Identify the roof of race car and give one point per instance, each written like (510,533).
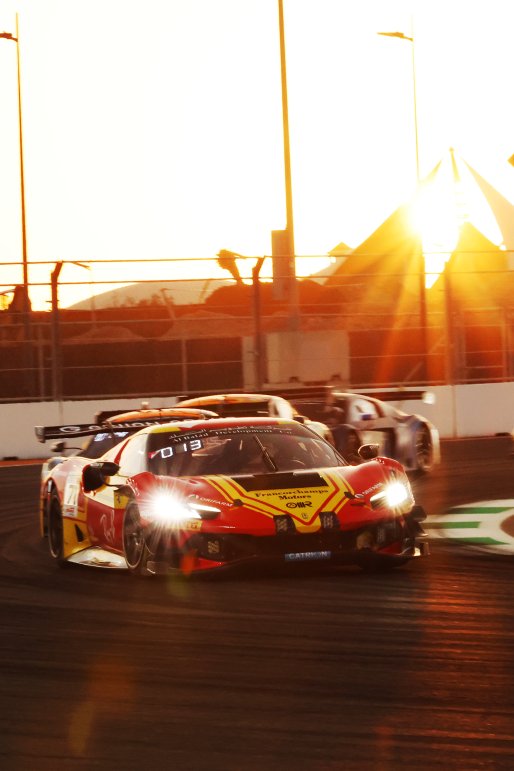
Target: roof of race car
(228,399)
(184,413)
(115,416)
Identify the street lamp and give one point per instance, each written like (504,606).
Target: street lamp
(287,261)
(56,334)
(410,39)
(10,36)
(422,288)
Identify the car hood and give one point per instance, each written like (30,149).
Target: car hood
(349,492)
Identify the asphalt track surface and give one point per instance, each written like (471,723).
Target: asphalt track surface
(311,670)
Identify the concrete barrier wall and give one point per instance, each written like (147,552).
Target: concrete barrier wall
(459,411)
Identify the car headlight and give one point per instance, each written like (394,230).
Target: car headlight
(392,495)
(204,511)
(168,509)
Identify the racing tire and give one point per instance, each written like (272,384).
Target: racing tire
(55,530)
(424,450)
(135,546)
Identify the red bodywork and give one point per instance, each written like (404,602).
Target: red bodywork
(328,514)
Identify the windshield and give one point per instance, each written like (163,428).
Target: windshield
(241,450)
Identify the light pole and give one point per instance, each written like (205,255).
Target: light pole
(288,261)
(410,39)
(56,335)
(16,39)
(421,270)
(26,300)
(227,261)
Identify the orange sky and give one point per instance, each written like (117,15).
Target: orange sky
(154,130)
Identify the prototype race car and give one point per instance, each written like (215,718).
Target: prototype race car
(201,495)
(357,419)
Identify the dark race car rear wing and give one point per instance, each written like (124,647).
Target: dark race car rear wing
(322,394)
(90,429)
(62,432)
(400,395)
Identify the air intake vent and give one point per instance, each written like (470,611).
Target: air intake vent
(284,524)
(285,480)
(79,534)
(329,521)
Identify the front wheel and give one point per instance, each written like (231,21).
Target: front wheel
(55,530)
(424,450)
(134,541)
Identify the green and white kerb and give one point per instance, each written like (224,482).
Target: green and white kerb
(486,525)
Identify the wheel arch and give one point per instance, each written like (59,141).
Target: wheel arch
(48,490)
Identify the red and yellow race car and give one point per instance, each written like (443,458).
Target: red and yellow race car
(204,494)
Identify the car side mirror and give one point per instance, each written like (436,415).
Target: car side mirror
(368,451)
(95,474)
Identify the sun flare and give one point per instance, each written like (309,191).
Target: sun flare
(444,202)
(438,223)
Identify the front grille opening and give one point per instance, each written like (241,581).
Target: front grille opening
(329,521)
(330,537)
(284,524)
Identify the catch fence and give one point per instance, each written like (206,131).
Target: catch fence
(358,331)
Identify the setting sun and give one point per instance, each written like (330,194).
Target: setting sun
(447,199)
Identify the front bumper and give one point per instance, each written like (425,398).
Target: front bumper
(387,542)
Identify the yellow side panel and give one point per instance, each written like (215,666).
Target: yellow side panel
(75,536)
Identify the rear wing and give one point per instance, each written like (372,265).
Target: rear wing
(128,424)
(400,395)
(321,394)
(63,432)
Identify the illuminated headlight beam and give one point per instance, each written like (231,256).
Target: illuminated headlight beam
(393,494)
(170,510)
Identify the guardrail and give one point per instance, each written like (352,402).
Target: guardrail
(457,411)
